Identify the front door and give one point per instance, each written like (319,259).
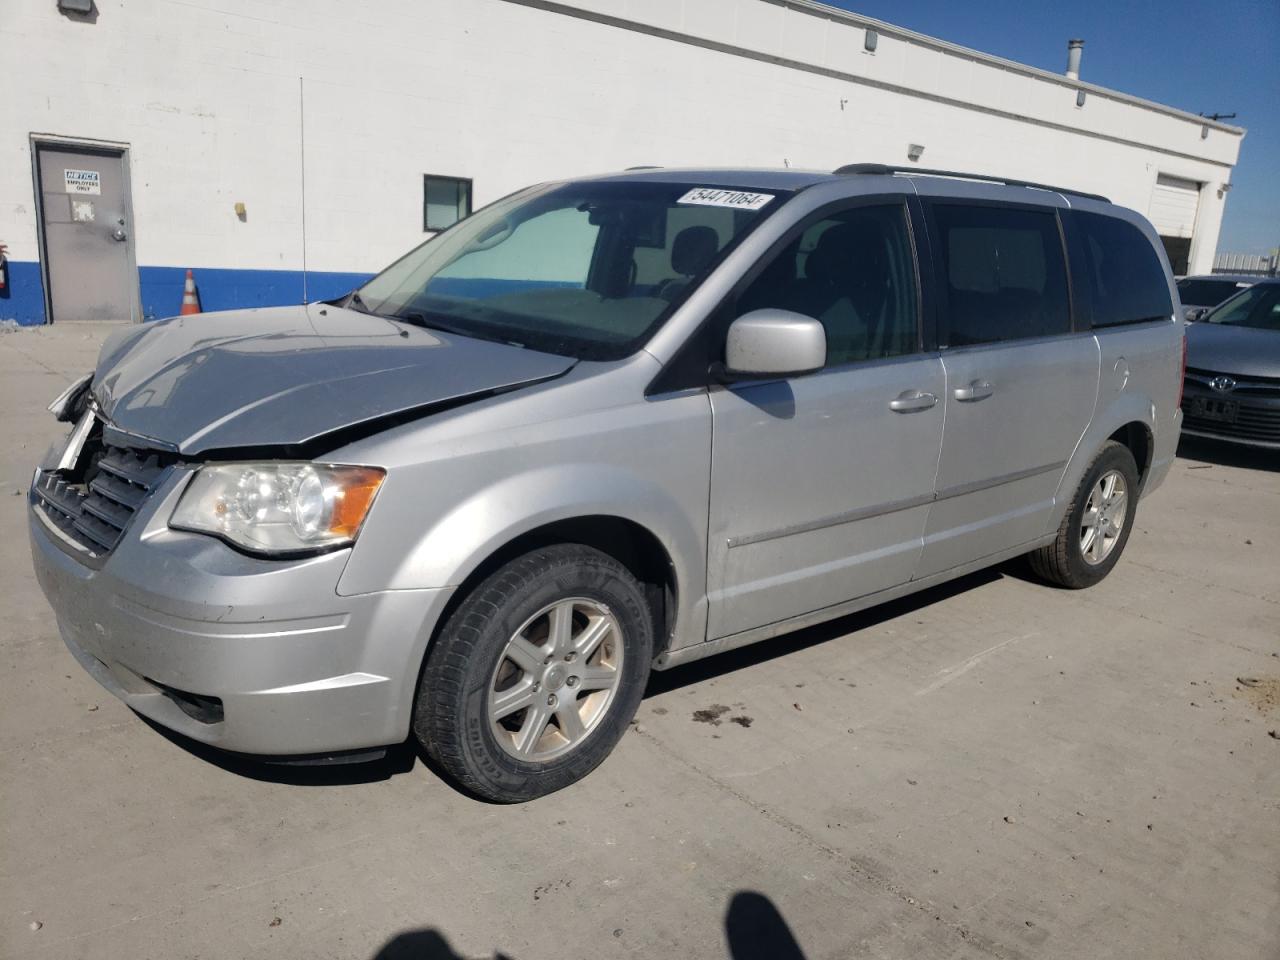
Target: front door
(1021,386)
(88,239)
(821,484)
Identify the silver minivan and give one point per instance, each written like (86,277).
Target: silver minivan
(601,426)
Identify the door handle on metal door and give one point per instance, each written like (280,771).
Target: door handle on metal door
(911,401)
(978,390)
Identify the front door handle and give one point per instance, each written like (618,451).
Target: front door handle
(978,390)
(912,400)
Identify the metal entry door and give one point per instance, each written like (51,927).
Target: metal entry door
(88,239)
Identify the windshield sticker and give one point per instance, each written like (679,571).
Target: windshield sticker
(715,197)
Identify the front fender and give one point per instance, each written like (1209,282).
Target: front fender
(438,518)
(460,540)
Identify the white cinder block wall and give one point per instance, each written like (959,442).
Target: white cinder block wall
(235,101)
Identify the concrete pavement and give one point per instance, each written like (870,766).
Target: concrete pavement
(990,769)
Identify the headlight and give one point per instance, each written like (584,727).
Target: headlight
(67,406)
(278,508)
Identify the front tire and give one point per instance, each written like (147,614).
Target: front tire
(534,678)
(1096,528)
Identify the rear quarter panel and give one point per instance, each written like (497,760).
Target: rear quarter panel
(1140,378)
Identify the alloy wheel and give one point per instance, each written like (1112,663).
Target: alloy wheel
(555,679)
(1104,517)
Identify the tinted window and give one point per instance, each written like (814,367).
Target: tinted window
(588,269)
(855,272)
(1128,280)
(1003,274)
(1208,293)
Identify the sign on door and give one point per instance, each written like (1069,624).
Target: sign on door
(83,181)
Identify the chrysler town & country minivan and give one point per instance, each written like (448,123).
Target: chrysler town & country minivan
(601,426)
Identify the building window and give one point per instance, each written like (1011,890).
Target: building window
(445,201)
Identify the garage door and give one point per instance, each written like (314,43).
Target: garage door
(1173,213)
(1173,206)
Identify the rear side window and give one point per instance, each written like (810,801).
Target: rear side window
(1003,274)
(1129,284)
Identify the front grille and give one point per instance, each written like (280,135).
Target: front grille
(1262,387)
(1251,423)
(1256,401)
(96,515)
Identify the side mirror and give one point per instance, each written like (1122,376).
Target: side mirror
(774,343)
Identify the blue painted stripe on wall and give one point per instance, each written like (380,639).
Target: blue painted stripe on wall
(22,298)
(219,289)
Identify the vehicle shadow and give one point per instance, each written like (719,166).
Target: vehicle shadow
(399,759)
(1220,453)
(664,681)
(753,928)
(403,757)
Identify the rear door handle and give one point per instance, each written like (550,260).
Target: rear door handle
(978,390)
(911,401)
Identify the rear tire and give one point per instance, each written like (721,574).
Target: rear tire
(534,678)
(1096,528)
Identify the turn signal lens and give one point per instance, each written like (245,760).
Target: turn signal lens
(279,508)
(361,485)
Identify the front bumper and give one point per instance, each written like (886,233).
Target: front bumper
(172,621)
(1257,415)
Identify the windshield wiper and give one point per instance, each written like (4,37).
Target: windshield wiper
(436,321)
(432,321)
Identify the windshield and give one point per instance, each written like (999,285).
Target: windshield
(1207,293)
(588,270)
(1257,307)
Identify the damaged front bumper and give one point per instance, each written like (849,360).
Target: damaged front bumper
(246,654)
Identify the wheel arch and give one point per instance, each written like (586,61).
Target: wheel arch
(629,542)
(1140,441)
(1128,420)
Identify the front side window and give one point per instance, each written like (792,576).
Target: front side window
(1129,284)
(1257,307)
(445,201)
(585,269)
(1003,274)
(855,272)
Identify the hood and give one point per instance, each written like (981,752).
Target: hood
(289,375)
(1240,351)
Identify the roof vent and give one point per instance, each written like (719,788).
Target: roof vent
(1075,48)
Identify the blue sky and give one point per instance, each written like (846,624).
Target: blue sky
(1221,57)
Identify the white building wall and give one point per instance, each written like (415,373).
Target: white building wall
(234,101)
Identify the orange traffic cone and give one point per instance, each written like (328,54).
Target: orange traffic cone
(190,301)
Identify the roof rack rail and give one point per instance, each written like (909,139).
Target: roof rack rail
(886,170)
(643,166)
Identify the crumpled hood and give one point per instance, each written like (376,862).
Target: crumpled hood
(1241,351)
(288,375)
